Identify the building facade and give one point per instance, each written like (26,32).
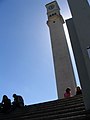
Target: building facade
(79,31)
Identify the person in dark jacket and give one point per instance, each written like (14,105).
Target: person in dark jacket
(5,104)
(18,101)
(78,91)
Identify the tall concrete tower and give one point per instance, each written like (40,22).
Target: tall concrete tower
(62,63)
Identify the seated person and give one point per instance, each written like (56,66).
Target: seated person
(78,91)
(67,93)
(18,101)
(5,104)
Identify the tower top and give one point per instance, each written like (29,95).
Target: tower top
(52,6)
(53,11)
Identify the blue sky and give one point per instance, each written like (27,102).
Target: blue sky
(26,64)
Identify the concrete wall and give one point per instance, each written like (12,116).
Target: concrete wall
(79,29)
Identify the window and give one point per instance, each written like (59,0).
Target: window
(88,50)
(52,14)
(53,21)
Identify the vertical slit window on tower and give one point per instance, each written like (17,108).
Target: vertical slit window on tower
(53,21)
(88,50)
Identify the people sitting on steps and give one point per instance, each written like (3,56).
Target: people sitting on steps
(6,105)
(68,92)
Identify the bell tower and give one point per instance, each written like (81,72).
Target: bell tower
(61,57)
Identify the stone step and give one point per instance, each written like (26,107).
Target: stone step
(74,98)
(64,109)
(44,106)
(47,116)
(28,110)
(60,106)
(44,112)
(78,117)
(57,103)
(51,116)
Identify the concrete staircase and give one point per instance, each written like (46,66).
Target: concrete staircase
(65,109)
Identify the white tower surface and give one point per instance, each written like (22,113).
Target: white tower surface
(61,57)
